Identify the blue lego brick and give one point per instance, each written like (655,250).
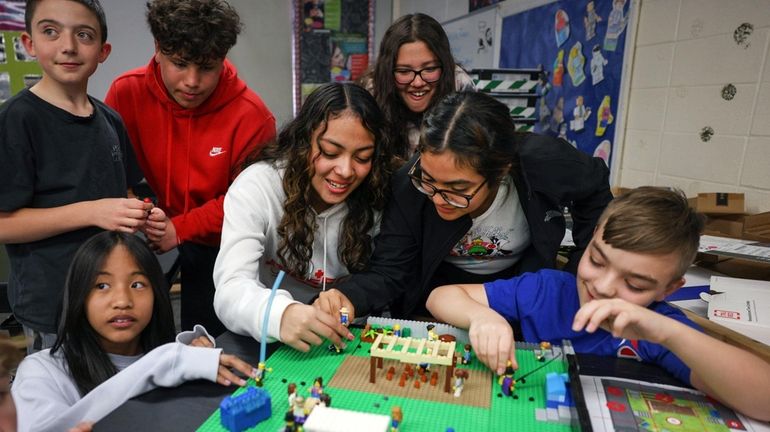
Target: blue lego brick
(245,410)
(555,387)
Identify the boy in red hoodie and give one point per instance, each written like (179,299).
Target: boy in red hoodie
(191,121)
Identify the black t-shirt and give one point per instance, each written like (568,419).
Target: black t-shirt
(49,158)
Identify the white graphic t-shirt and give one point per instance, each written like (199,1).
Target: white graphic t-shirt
(497,238)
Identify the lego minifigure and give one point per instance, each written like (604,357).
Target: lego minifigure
(325,400)
(466,354)
(291,389)
(317,389)
(344,316)
(460,376)
(289,419)
(299,410)
(397,330)
(260,375)
(506,380)
(396,416)
(432,335)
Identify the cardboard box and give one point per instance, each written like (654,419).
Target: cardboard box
(749,227)
(721,203)
(757,227)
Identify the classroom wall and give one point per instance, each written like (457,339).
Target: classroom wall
(685,54)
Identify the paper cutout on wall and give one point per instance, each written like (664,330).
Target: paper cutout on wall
(580,115)
(575,64)
(603,151)
(604,118)
(558,68)
(561,27)
(616,23)
(590,20)
(558,115)
(597,65)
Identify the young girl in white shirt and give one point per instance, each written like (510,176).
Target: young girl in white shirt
(115,341)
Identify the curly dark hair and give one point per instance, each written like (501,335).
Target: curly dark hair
(93,5)
(198,31)
(410,28)
(293,149)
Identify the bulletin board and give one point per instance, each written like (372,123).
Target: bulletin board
(17,68)
(581,45)
(473,37)
(333,42)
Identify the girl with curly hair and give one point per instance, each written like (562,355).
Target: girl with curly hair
(308,204)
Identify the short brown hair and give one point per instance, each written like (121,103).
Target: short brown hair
(93,5)
(197,31)
(655,221)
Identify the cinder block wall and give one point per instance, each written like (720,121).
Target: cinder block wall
(686,53)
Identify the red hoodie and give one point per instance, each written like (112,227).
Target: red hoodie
(190,156)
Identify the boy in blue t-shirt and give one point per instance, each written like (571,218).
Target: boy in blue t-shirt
(643,243)
(65,164)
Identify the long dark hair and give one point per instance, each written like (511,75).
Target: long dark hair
(410,28)
(88,364)
(293,148)
(478,129)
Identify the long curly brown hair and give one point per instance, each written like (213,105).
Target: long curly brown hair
(292,150)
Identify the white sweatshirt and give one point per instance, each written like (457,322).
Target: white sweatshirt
(248,262)
(47,398)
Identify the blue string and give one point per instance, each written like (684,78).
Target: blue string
(266,320)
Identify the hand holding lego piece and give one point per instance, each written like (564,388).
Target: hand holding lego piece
(492,339)
(167,240)
(466,306)
(303,325)
(332,301)
(155,224)
(119,214)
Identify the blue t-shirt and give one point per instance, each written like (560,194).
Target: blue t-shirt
(545,303)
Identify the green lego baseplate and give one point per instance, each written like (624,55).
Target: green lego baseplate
(504,412)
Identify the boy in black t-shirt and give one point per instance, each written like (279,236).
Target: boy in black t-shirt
(65,163)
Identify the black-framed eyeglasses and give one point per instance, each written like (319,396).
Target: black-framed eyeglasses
(455,199)
(429,74)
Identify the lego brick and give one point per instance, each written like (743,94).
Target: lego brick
(324,419)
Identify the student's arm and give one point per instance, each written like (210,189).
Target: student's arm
(734,376)
(241,298)
(112,214)
(43,401)
(466,306)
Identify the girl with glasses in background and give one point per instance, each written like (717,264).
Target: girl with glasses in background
(414,70)
(478,202)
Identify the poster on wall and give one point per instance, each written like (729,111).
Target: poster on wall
(17,68)
(333,42)
(580,44)
(472,39)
